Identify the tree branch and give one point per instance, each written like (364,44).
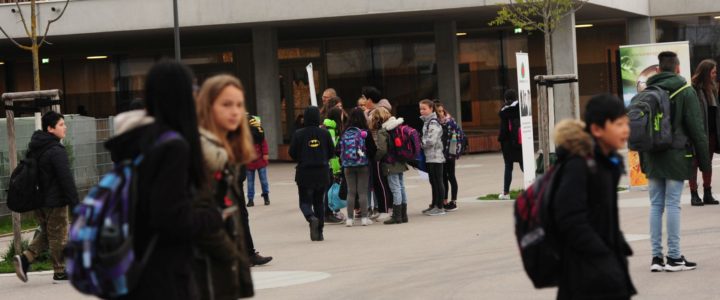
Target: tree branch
(47,28)
(14,41)
(516,10)
(22,17)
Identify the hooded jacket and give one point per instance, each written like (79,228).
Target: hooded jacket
(384,144)
(56,179)
(311,147)
(509,132)
(164,208)
(331,127)
(677,164)
(706,101)
(432,143)
(586,220)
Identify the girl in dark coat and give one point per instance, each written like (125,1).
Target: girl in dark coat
(167,177)
(509,138)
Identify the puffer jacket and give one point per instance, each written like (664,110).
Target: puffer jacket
(56,179)
(384,145)
(586,221)
(432,143)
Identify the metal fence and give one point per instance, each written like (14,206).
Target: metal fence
(85,146)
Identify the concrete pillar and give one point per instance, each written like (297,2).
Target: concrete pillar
(267,85)
(446,55)
(564,50)
(640,30)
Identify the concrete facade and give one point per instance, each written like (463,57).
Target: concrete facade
(641,30)
(267,85)
(447,64)
(564,51)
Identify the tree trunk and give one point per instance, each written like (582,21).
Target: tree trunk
(35,47)
(545,112)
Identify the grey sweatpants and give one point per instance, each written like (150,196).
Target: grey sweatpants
(357,181)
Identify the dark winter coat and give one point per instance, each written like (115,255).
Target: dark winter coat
(164,209)
(509,133)
(383,146)
(587,226)
(312,147)
(56,179)
(677,164)
(707,109)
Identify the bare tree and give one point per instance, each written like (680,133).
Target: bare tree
(542,15)
(32,34)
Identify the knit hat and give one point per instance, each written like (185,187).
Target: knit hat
(385,104)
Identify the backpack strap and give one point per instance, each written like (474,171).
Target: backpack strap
(687,85)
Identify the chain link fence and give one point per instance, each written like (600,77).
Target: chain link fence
(84,143)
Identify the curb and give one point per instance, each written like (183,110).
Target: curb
(4,235)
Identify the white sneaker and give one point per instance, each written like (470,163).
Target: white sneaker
(383,217)
(349,222)
(504,196)
(366,222)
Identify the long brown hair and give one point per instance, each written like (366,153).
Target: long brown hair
(238,143)
(701,79)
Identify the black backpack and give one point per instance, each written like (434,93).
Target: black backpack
(24,192)
(650,120)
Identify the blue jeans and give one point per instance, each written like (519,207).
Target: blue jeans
(665,195)
(397,187)
(262,173)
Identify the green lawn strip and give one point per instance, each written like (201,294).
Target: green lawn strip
(513,195)
(6,224)
(42,263)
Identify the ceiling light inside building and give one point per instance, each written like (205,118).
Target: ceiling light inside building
(717,17)
(97,57)
(2,63)
(46,60)
(461,34)
(583,25)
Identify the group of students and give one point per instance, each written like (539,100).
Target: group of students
(191,214)
(358,150)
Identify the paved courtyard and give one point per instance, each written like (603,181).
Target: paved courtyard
(467,254)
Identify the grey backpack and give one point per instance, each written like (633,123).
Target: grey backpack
(650,120)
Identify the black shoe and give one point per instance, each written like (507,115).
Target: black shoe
(708,198)
(314,229)
(451,206)
(396,216)
(22,265)
(332,219)
(695,199)
(259,260)
(657,265)
(680,264)
(60,277)
(404,213)
(251,203)
(266,197)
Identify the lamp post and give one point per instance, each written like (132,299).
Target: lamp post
(177,31)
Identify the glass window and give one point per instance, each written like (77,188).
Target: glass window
(703,33)
(349,67)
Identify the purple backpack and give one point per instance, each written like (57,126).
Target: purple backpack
(404,144)
(353,151)
(100,255)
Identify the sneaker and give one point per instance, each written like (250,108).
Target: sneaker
(375,214)
(680,264)
(427,210)
(266,197)
(436,212)
(451,206)
(22,265)
(332,219)
(60,277)
(250,203)
(657,265)
(366,222)
(504,196)
(349,222)
(383,217)
(259,260)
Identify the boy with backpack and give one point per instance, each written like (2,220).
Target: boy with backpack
(683,136)
(58,191)
(583,209)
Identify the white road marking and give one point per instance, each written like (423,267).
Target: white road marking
(275,279)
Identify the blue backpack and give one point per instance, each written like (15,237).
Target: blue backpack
(353,151)
(334,201)
(100,255)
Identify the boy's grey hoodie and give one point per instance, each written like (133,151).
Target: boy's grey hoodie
(432,139)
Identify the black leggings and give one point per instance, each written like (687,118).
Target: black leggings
(245,220)
(449,180)
(381,188)
(508,174)
(435,172)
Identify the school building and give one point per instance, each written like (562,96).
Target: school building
(409,49)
